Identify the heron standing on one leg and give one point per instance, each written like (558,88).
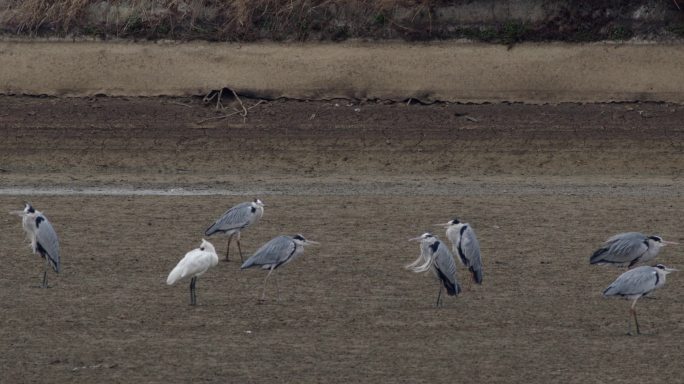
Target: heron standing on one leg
(235,220)
(43,238)
(629,248)
(464,243)
(276,253)
(194,264)
(636,283)
(436,257)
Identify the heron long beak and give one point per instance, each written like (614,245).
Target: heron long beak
(670,242)
(17,213)
(419,238)
(445,225)
(668,270)
(312,242)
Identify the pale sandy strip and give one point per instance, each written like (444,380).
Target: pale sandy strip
(449,71)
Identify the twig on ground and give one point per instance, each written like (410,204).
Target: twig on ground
(240,101)
(217,117)
(213,94)
(243,113)
(209,97)
(179,103)
(219,106)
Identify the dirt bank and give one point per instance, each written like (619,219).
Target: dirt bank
(447,71)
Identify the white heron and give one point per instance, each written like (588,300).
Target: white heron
(236,220)
(435,256)
(194,264)
(629,248)
(464,243)
(636,283)
(43,237)
(276,253)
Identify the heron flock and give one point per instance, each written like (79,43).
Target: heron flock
(624,249)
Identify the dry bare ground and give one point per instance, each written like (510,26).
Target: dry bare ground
(542,185)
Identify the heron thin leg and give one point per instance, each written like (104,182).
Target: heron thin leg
(634,313)
(228,247)
(45,272)
(275,277)
(239,249)
(263,292)
(439,295)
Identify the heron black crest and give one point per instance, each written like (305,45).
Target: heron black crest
(299,237)
(455,220)
(656,238)
(29,208)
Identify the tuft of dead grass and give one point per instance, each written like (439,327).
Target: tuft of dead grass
(34,15)
(212,20)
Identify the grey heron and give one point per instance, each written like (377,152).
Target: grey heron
(194,264)
(276,253)
(464,243)
(636,283)
(236,220)
(43,237)
(628,248)
(435,256)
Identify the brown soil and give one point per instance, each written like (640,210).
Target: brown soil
(542,185)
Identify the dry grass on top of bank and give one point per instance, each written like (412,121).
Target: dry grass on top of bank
(218,20)
(336,20)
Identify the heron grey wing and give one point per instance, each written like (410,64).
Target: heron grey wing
(626,247)
(471,247)
(626,236)
(47,239)
(235,218)
(444,261)
(446,268)
(637,281)
(275,252)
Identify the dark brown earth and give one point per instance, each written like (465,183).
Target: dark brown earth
(542,186)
